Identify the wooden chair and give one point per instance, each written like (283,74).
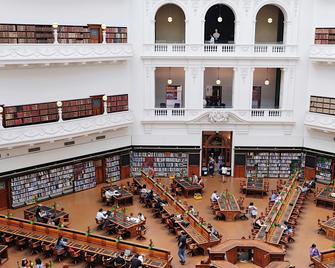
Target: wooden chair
(59,254)
(90,259)
(75,255)
(21,242)
(7,239)
(99,224)
(141,233)
(35,246)
(107,262)
(47,249)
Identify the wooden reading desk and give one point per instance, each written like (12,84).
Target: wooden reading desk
(255,185)
(228,206)
(329,228)
(91,243)
(326,260)
(120,219)
(125,197)
(196,230)
(187,187)
(324,198)
(51,213)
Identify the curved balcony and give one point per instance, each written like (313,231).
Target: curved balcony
(32,134)
(320,122)
(276,51)
(322,53)
(27,54)
(216,115)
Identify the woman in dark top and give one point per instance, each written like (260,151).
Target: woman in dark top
(135,262)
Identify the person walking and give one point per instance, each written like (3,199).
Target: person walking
(182,247)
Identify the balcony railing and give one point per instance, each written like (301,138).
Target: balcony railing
(63,129)
(321,122)
(189,115)
(322,53)
(204,50)
(26,54)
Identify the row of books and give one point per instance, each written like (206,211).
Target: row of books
(324,36)
(113,168)
(324,170)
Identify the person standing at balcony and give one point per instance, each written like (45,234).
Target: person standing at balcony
(216,35)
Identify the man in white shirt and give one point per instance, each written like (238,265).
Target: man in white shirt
(101,215)
(194,179)
(215,197)
(109,194)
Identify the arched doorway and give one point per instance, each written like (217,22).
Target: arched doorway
(170,24)
(219,24)
(217,144)
(269,25)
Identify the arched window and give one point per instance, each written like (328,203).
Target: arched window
(219,25)
(170,24)
(269,25)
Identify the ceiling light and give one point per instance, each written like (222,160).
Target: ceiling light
(220,19)
(266,82)
(269,20)
(170,19)
(169,81)
(218,82)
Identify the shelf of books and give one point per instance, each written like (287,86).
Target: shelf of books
(24,33)
(322,105)
(324,170)
(84,176)
(325,36)
(62,180)
(77,108)
(273,164)
(117,103)
(164,163)
(30,114)
(116,35)
(113,168)
(73,34)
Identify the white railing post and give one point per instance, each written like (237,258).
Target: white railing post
(104,99)
(104,35)
(60,111)
(55,32)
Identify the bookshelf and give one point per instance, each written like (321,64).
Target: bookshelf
(324,170)
(324,36)
(77,108)
(25,33)
(84,176)
(117,103)
(73,34)
(165,163)
(116,35)
(322,105)
(30,114)
(62,180)
(273,164)
(113,168)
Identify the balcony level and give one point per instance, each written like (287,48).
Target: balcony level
(320,122)
(32,134)
(217,115)
(275,51)
(32,54)
(322,53)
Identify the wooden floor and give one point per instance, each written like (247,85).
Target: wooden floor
(83,206)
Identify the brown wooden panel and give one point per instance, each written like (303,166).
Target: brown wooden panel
(239,171)
(125,172)
(99,171)
(309,173)
(194,169)
(4,195)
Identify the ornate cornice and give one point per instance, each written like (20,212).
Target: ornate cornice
(63,53)
(322,122)
(17,136)
(322,53)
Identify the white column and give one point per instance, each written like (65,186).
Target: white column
(243,84)
(149,87)
(235,88)
(286,89)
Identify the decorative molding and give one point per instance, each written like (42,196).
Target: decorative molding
(18,136)
(321,122)
(63,53)
(322,53)
(218,116)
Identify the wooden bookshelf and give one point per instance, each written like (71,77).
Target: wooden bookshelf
(77,108)
(325,36)
(25,33)
(73,34)
(84,176)
(324,170)
(117,103)
(322,105)
(113,168)
(30,114)
(116,35)
(164,163)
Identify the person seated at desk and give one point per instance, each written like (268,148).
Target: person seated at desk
(194,179)
(149,196)
(109,194)
(140,216)
(304,188)
(24,263)
(288,229)
(314,252)
(258,224)
(215,198)
(119,260)
(61,243)
(252,210)
(191,210)
(136,261)
(41,215)
(213,231)
(273,197)
(102,217)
